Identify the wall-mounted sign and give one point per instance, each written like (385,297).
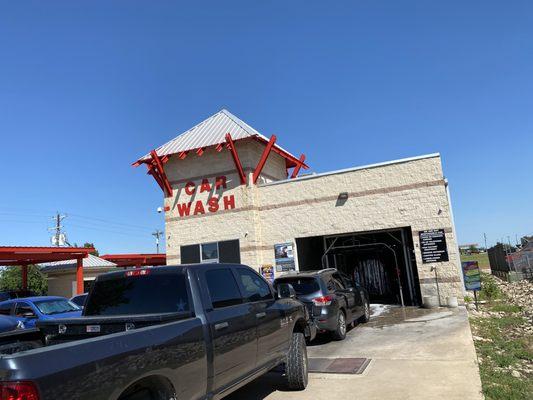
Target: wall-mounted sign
(433,246)
(211,203)
(267,272)
(284,256)
(471,275)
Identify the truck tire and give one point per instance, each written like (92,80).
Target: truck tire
(340,332)
(296,363)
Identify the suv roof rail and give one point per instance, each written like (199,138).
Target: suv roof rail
(322,271)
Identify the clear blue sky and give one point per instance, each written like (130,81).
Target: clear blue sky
(87,87)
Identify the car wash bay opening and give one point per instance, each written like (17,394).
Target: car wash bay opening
(383,262)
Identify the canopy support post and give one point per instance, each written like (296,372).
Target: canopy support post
(79,276)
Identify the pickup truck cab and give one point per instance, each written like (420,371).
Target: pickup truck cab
(183,332)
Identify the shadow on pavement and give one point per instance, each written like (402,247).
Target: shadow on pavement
(261,387)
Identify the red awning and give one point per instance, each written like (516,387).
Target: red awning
(136,260)
(24,256)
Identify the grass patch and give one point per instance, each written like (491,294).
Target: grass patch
(481,258)
(500,385)
(501,345)
(506,308)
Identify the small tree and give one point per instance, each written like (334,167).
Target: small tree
(11,279)
(88,245)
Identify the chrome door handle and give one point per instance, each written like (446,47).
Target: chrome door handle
(222,325)
(261,315)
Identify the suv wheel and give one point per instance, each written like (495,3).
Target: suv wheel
(366,315)
(296,363)
(340,332)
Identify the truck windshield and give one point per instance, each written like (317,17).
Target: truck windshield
(58,306)
(302,286)
(138,294)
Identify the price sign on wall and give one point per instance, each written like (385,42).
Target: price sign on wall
(433,246)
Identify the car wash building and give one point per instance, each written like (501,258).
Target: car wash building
(232,194)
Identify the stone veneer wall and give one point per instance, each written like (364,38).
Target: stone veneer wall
(409,193)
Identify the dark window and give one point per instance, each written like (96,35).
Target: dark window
(5,309)
(302,286)
(138,294)
(87,285)
(255,288)
(337,281)
(190,254)
(79,300)
(23,308)
(229,251)
(223,288)
(330,284)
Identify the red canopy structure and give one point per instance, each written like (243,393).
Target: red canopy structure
(24,256)
(136,260)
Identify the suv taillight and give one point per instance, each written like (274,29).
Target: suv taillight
(322,300)
(18,391)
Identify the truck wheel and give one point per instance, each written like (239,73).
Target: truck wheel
(366,315)
(340,332)
(296,363)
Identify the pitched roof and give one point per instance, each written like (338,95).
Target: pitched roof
(211,132)
(89,262)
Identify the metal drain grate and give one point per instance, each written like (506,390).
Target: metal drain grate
(338,365)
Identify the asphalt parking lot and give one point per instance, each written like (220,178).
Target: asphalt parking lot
(415,354)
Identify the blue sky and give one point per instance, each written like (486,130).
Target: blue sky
(87,87)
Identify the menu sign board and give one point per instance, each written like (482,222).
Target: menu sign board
(433,246)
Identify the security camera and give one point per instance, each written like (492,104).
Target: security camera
(159,210)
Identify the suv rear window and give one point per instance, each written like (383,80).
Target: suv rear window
(302,286)
(139,294)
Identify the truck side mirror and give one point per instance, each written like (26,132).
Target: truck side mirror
(286,291)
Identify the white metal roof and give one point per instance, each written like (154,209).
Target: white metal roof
(89,262)
(211,132)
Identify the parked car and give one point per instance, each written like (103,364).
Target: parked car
(15,294)
(80,300)
(8,324)
(29,310)
(184,332)
(333,299)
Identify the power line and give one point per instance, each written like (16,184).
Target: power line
(109,230)
(109,222)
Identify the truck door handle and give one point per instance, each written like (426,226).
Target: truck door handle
(222,325)
(261,315)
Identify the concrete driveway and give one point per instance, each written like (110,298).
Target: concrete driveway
(416,354)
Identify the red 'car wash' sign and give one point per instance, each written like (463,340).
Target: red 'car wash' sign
(209,205)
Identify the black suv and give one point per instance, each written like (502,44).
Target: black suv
(333,299)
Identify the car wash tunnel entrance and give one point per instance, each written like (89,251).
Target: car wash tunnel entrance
(382,261)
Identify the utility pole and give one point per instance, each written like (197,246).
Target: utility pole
(59,238)
(485,238)
(157,233)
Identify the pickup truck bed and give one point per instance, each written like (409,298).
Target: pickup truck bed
(207,343)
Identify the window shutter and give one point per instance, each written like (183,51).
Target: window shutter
(190,254)
(229,251)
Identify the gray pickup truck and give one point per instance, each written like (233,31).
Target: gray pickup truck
(183,332)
